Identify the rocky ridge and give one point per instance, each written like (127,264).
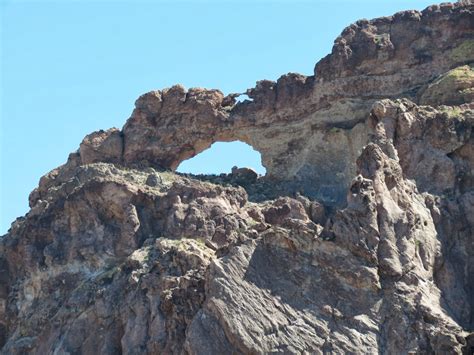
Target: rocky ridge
(359,238)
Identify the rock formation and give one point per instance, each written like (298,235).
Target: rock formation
(359,239)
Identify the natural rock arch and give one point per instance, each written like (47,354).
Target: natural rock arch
(221,157)
(308,129)
(395,260)
(179,124)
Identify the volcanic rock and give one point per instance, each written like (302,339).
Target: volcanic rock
(359,239)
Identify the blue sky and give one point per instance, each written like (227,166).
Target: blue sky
(71,67)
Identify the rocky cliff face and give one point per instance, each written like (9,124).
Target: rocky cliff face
(359,239)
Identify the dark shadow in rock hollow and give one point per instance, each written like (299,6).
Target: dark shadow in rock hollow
(265,188)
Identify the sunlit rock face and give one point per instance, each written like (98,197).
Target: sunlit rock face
(359,239)
(310,130)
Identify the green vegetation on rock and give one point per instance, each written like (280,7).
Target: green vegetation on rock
(451,112)
(451,88)
(464,52)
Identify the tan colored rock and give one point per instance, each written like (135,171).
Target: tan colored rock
(455,87)
(102,146)
(308,129)
(427,142)
(360,239)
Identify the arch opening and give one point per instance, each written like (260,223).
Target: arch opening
(221,157)
(243,98)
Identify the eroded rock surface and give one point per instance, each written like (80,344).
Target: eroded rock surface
(360,239)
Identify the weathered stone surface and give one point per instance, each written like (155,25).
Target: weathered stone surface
(310,130)
(102,146)
(456,87)
(110,249)
(350,294)
(360,239)
(427,141)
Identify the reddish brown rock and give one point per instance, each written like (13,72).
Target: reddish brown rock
(309,129)
(358,240)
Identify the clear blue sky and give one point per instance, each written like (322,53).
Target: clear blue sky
(71,67)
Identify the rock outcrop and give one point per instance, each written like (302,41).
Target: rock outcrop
(359,239)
